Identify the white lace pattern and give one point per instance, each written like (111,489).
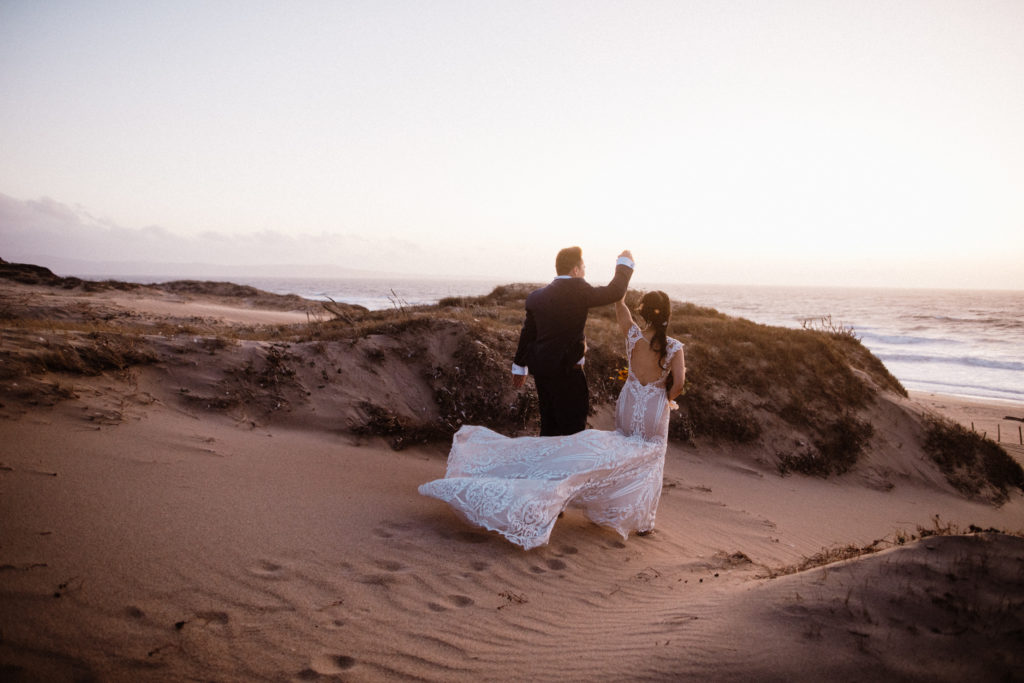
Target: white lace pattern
(518,487)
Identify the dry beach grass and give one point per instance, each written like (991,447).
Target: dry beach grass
(201,482)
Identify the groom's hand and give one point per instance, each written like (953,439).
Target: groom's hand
(518,381)
(628,254)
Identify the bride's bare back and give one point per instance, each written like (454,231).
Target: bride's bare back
(647,365)
(644,362)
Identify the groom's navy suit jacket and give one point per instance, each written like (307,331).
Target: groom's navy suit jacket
(552,338)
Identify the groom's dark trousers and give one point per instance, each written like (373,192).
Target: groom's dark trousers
(552,344)
(564,400)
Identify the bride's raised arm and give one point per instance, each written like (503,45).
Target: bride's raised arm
(622,315)
(678,364)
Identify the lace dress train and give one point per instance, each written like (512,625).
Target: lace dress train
(518,486)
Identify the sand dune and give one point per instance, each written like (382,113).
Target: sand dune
(168,546)
(144,538)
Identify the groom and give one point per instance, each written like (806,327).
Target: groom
(552,344)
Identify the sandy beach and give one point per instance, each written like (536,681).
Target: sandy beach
(146,538)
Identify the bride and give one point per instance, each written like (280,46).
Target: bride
(519,486)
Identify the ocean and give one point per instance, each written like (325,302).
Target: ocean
(960,342)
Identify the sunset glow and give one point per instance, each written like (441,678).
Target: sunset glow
(870,143)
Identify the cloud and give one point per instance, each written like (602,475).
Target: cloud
(72,241)
(70,238)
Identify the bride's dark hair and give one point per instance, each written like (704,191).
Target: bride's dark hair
(656,309)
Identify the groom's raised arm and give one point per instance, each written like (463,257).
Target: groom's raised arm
(616,289)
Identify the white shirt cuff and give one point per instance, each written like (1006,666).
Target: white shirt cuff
(519,370)
(625,261)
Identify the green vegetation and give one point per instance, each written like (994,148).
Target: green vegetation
(835,452)
(840,553)
(743,377)
(803,396)
(972,464)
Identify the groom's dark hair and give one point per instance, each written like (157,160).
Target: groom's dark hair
(567,259)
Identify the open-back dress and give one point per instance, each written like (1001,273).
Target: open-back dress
(518,486)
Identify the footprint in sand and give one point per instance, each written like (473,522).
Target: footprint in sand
(455,600)
(330,623)
(461,600)
(331,615)
(221,618)
(557,565)
(618,545)
(569,550)
(328,664)
(388,528)
(472,537)
(268,570)
(479,566)
(537,570)
(383,580)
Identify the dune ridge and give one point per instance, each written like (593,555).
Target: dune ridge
(150,533)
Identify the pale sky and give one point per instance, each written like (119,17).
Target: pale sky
(760,142)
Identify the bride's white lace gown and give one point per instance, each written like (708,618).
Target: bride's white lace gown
(518,486)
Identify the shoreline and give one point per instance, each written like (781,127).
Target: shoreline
(967,399)
(959,408)
(987,417)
